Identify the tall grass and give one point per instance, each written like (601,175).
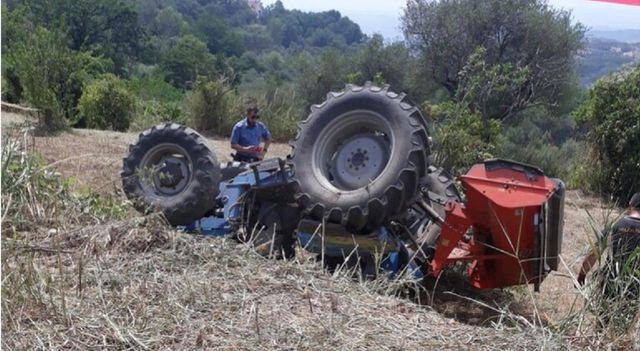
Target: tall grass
(612,295)
(34,194)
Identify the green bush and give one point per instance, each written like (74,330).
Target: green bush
(213,106)
(151,113)
(186,60)
(51,75)
(612,114)
(281,109)
(158,101)
(154,88)
(107,104)
(461,136)
(541,139)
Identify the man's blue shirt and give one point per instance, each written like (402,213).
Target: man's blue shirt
(244,135)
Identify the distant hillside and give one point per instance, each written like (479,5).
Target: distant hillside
(235,26)
(602,56)
(624,35)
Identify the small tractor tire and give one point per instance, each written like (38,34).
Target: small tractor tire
(171,169)
(359,157)
(440,189)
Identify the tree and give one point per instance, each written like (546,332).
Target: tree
(495,91)
(51,75)
(376,59)
(186,60)
(169,23)
(316,76)
(461,137)
(219,36)
(527,36)
(106,28)
(612,114)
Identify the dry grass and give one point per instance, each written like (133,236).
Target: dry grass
(129,285)
(81,282)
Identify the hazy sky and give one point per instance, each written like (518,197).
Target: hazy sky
(382,16)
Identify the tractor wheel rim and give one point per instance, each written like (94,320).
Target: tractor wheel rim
(167,170)
(353,150)
(359,160)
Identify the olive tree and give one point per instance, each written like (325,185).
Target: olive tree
(526,38)
(612,114)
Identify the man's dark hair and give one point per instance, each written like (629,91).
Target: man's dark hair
(635,201)
(252,109)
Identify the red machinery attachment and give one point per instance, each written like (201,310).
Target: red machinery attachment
(510,227)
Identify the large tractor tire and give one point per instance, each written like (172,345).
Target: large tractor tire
(171,169)
(359,157)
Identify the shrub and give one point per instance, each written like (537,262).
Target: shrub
(153,112)
(107,104)
(49,76)
(281,109)
(154,88)
(159,101)
(186,60)
(35,194)
(462,137)
(528,143)
(213,106)
(612,114)
(44,69)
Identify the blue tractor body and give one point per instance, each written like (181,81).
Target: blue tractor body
(330,241)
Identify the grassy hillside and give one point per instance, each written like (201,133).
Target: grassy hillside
(82,270)
(602,57)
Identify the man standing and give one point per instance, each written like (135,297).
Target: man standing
(246,137)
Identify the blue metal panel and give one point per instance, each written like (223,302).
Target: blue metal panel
(230,196)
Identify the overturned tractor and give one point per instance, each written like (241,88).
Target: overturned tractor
(358,188)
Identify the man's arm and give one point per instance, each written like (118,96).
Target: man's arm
(266,136)
(239,148)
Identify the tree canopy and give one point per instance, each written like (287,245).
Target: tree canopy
(612,114)
(523,38)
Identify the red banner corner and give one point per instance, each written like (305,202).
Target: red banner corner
(623,2)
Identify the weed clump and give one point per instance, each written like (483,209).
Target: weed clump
(34,194)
